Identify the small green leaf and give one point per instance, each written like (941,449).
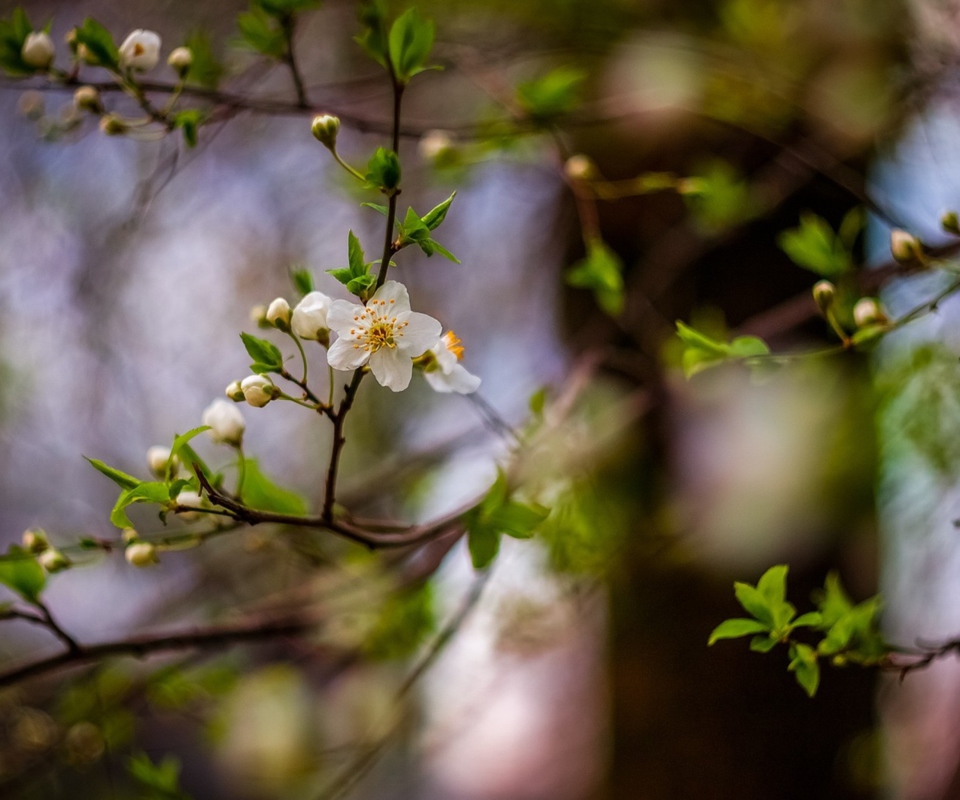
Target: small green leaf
(356,260)
(763,644)
(814,246)
(812,619)
(410,43)
(754,602)
(261,32)
(360,284)
(374,37)
(518,519)
(163,778)
(189,121)
(405,621)
(206,68)
(484,544)
(806,667)
(376,207)
(263,494)
(552,95)
(602,272)
(263,352)
(302,280)
(98,42)
(735,628)
(122,480)
(436,215)
(181,440)
(383,171)
(20,572)
(146,492)
(773,584)
(344,274)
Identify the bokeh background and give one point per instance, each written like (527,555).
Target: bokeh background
(128,267)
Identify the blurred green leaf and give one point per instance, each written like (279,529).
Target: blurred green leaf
(551,95)
(404,622)
(601,272)
(13,33)
(805,666)
(735,628)
(410,43)
(99,43)
(262,493)
(261,32)
(814,246)
(20,572)
(163,778)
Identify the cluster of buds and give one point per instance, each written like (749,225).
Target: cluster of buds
(257,390)
(52,560)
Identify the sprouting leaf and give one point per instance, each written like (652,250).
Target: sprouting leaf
(206,68)
(13,33)
(701,351)
(722,197)
(261,32)
(302,280)
(374,37)
(499,514)
(735,628)
(436,215)
(98,42)
(484,544)
(383,171)
(265,354)
(189,121)
(814,246)
(180,441)
(20,572)
(552,95)
(602,272)
(754,602)
(146,492)
(122,480)
(805,666)
(410,43)
(261,493)
(163,778)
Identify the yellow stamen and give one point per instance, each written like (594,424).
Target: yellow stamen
(452,343)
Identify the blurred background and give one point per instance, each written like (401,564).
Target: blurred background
(581,670)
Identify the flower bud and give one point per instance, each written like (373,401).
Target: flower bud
(824,294)
(157,458)
(309,319)
(580,168)
(258,314)
(189,499)
(38,51)
(141,554)
(52,560)
(868,311)
(140,50)
(226,422)
(950,222)
(181,59)
(35,540)
(235,392)
(325,129)
(129,535)
(436,146)
(258,390)
(87,98)
(904,246)
(113,125)
(278,314)
(31,105)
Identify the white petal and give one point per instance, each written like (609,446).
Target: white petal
(397,292)
(458,380)
(420,334)
(345,355)
(391,368)
(340,317)
(310,315)
(446,359)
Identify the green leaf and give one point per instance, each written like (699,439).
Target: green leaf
(722,197)
(356,260)
(263,353)
(410,43)
(754,602)
(261,32)
(376,207)
(602,272)
(484,544)
(735,628)
(344,274)
(812,619)
(814,246)
(163,778)
(431,246)
(181,440)
(405,621)
(436,215)
(552,95)
(773,584)
(122,480)
(383,171)
(189,121)
(763,644)
(806,667)
(359,285)
(206,68)
(518,519)
(302,280)
(263,494)
(20,572)
(99,43)
(374,37)
(747,346)
(13,33)
(701,351)
(146,492)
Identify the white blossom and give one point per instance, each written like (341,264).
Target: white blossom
(38,50)
(141,554)
(190,499)
(140,50)
(258,390)
(226,422)
(157,458)
(384,333)
(309,319)
(444,372)
(52,560)
(278,313)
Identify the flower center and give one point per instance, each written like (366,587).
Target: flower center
(376,330)
(380,334)
(452,343)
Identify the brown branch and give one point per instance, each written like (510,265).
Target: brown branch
(141,646)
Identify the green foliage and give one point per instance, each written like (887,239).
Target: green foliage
(262,32)
(189,121)
(815,246)
(551,95)
(357,277)
(416,230)
(383,171)
(266,355)
(206,69)
(718,197)
(410,43)
(20,572)
(405,621)
(498,514)
(161,781)
(13,33)
(601,272)
(99,43)
(374,38)
(263,494)
(146,492)
(285,8)
(702,352)
(302,280)
(180,441)
(849,633)
(122,480)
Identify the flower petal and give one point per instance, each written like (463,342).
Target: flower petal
(420,333)
(391,368)
(458,380)
(340,317)
(397,292)
(345,355)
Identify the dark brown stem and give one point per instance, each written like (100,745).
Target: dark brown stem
(60,633)
(289,24)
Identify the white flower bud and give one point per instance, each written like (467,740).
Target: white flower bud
(157,458)
(140,50)
(824,293)
(38,51)
(580,168)
(278,314)
(258,314)
(868,311)
(235,392)
(141,554)
(35,540)
(258,390)
(904,246)
(129,535)
(52,560)
(325,129)
(87,98)
(309,319)
(113,125)
(436,146)
(226,422)
(189,499)
(181,59)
